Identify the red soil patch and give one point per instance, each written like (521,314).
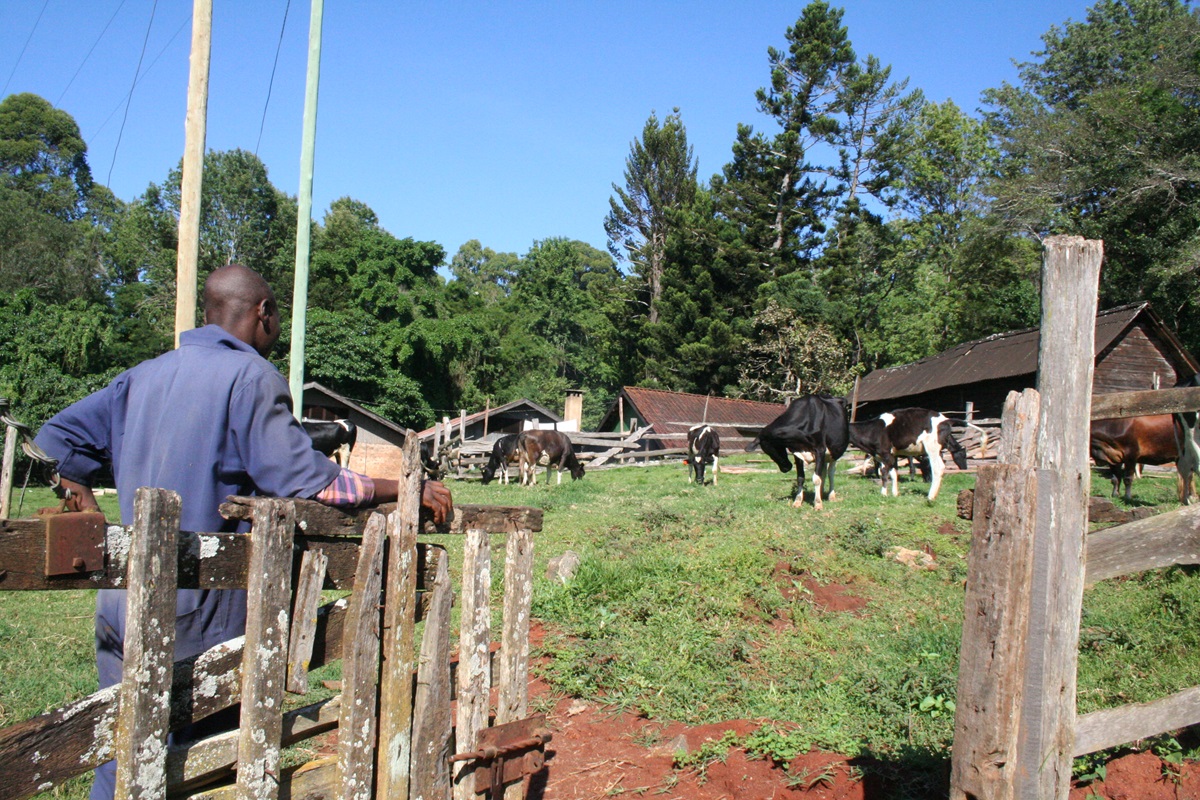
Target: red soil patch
(833,597)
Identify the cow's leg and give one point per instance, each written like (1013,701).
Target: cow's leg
(831,470)
(715,469)
(558,470)
(818,482)
(888,473)
(1189,457)
(933,450)
(689,465)
(798,500)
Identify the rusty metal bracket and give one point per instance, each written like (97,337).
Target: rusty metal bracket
(74,543)
(510,752)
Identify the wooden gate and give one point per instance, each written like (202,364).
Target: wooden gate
(396,737)
(1016,729)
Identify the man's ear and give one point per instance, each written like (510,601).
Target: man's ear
(265,312)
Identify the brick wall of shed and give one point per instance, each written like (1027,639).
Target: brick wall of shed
(1132,364)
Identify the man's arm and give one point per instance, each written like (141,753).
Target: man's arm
(353,489)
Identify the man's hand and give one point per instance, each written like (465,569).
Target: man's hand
(78,497)
(436,497)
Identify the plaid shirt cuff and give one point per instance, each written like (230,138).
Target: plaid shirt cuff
(348,489)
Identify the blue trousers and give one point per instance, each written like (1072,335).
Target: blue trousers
(203,619)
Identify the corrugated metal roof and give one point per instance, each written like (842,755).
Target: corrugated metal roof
(477,416)
(1003,355)
(675,412)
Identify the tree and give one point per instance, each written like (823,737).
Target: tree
(43,155)
(771,189)
(482,272)
(790,357)
(1102,139)
(660,174)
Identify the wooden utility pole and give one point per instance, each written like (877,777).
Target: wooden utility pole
(308,147)
(195,126)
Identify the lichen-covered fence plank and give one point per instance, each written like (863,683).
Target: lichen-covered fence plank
(264,660)
(141,748)
(513,695)
(396,673)
(432,724)
(474,639)
(304,618)
(360,668)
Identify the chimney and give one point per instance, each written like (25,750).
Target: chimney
(573,407)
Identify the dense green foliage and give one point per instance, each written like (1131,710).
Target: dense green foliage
(856,225)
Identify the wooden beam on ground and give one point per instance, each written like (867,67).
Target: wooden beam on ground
(143,721)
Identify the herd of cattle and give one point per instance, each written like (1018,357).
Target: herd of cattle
(815,430)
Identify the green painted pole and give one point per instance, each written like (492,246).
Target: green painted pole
(308,148)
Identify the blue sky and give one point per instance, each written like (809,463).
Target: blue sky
(505,122)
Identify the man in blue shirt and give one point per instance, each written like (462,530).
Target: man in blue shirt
(207,420)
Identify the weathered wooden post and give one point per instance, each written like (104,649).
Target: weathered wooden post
(1015,717)
(6,468)
(141,747)
(1070,281)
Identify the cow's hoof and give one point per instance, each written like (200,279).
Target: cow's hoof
(798,502)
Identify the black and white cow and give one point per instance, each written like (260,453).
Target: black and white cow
(815,424)
(1187,442)
(704,447)
(332,437)
(504,452)
(912,432)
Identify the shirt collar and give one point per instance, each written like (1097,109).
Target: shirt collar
(214,336)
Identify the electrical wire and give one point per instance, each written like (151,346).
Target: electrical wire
(128,101)
(167,46)
(271,84)
(24,48)
(121,5)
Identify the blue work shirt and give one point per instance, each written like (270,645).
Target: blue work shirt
(207,420)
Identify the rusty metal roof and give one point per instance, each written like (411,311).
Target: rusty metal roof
(1003,355)
(674,412)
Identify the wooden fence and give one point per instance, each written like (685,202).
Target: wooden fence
(396,736)
(1016,728)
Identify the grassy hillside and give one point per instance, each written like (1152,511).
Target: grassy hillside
(704,604)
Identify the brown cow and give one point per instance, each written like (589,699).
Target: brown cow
(1122,444)
(552,446)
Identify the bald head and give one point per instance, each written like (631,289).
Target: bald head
(239,300)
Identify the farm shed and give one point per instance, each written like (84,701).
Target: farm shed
(509,418)
(377,448)
(670,414)
(1134,350)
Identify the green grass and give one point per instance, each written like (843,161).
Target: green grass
(690,604)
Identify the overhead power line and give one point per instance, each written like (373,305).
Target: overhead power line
(271,84)
(4,92)
(120,5)
(128,101)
